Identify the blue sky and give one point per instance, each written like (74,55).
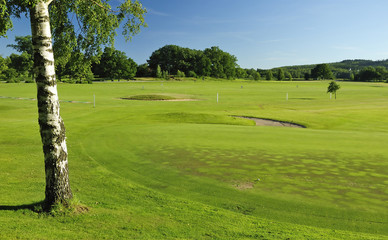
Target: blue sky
(260,33)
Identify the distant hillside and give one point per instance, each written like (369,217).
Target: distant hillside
(341,70)
(359,64)
(354,65)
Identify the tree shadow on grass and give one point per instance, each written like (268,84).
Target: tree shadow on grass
(54,210)
(35,207)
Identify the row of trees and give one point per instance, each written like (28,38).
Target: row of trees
(174,60)
(354,70)
(112,64)
(371,74)
(320,71)
(211,62)
(214,62)
(15,66)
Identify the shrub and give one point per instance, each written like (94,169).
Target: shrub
(289,76)
(180,74)
(192,74)
(256,76)
(13,80)
(165,75)
(84,81)
(11,75)
(159,73)
(69,80)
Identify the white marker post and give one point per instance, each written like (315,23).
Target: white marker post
(287,97)
(217,97)
(330,96)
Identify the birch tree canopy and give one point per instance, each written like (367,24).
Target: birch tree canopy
(88,24)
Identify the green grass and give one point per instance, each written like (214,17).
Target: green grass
(168,170)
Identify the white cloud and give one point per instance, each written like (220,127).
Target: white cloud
(157,13)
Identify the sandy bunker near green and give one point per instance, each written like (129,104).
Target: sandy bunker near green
(271,122)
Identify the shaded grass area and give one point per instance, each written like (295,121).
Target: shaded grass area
(147,169)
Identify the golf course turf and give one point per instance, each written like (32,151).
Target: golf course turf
(192,169)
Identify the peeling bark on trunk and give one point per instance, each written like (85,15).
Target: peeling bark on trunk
(52,128)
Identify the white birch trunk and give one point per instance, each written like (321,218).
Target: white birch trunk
(52,129)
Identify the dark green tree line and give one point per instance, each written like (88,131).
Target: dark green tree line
(77,67)
(371,74)
(114,64)
(21,65)
(322,71)
(211,62)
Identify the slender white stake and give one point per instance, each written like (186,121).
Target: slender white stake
(330,95)
(287,97)
(94,100)
(217,97)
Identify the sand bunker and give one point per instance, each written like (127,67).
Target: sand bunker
(272,123)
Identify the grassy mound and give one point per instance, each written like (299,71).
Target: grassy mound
(151,97)
(201,118)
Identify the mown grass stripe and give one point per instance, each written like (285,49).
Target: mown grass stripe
(34,99)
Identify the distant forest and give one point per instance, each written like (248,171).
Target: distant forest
(355,70)
(214,62)
(175,62)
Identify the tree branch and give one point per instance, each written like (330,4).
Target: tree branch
(102,6)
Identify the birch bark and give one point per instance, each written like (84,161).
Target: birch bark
(52,128)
